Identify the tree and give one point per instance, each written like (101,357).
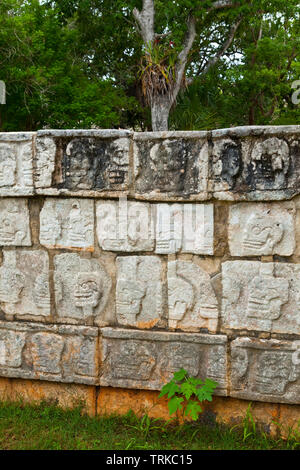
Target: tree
(163,70)
(254,89)
(42,62)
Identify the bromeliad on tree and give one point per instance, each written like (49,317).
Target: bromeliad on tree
(163,67)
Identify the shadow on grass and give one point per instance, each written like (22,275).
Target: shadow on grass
(45,426)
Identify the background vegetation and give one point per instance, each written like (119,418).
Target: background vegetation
(75,64)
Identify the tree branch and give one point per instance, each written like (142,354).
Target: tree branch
(223,49)
(145,20)
(183,55)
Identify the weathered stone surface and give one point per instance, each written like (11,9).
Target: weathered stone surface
(83,162)
(82,288)
(188,228)
(67,223)
(147,360)
(125,226)
(16,156)
(45,162)
(259,163)
(191,298)
(139,292)
(265,370)
(24,284)
(171,164)
(55,353)
(261,296)
(262,229)
(14,222)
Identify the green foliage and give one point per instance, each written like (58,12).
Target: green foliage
(47,79)
(182,388)
(75,63)
(46,426)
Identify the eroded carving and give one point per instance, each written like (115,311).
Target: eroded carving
(227,163)
(134,359)
(24,283)
(11,347)
(273,373)
(95,164)
(82,287)
(14,222)
(270,162)
(264,370)
(8,165)
(67,223)
(183,356)
(148,359)
(262,229)
(45,161)
(125,226)
(267,294)
(260,296)
(48,352)
(16,173)
(191,299)
(169,229)
(187,228)
(139,291)
(177,166)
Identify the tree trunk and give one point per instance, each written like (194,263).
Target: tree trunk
(160,109)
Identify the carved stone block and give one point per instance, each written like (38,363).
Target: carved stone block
(125,226)
(171,164)
(191,298)
(67,223)
(256,163)
(262,229)
(14,222)
(261,296)
(45,162)
(82,288)
(45,352)
(16,156)
(265,370)
(147,360)
(188,228)
(24,283)
(139,295)
(82,162)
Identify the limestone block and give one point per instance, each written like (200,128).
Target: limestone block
(169,228)
(265,370)
(259,163)
(191,298)
(16,168)
(14,222)
(45,352)
(82,162)
(262,229)
(125,226)
(261,296)
(24,284)
(171,164)
(188,228)
(139,294)
(45,162)
(148,359)
(82,288)
(67,223)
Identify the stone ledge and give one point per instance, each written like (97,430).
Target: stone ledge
(254,163)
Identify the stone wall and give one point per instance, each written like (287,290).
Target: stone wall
(126,256)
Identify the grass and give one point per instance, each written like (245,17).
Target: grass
(46,426)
